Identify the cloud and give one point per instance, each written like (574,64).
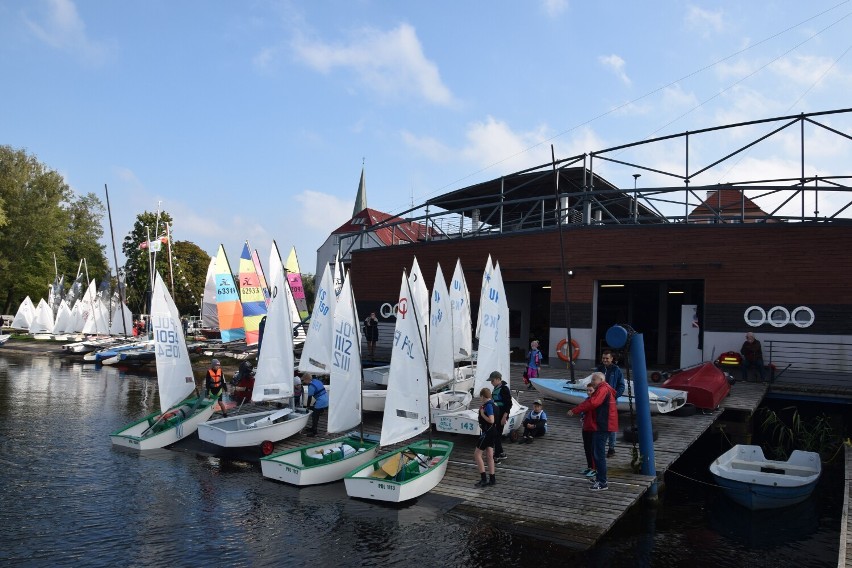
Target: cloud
(615,64)
(61,27)
(322,212)
(802,69)
(389,63)
(705,20)
(554,8)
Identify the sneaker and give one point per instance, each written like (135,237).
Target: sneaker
(586,471)
(311,434)
(598,486)
(611,453)
(592,477)
(592,474)
(529,387)
(502,456)
(492,481)
(481,483)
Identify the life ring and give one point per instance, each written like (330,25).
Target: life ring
(563,353)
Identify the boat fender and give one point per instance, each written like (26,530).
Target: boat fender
(562,351)
(632,435)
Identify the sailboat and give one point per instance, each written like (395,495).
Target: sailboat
(330,460)
(177,418)
(273,381)
(417,468)
(251,296)
(24,316)
(209,312)
(493,356)
(294,281)
(316,353)
(462,330)
(228,304)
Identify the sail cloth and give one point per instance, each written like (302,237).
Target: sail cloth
(64,319)
(274,376)
(75,292)
(122,321)
(251,295)
(24,316)
(483,291)
(407,403)
(344,402)
(294,276)
(43,318)
(494,334)
(264,285)
(460,305)
(420,294)
(298,326)
(209,313)
(174,370)
(441,361)
(316,353)
(228,301)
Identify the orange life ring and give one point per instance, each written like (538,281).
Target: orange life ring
(563,353)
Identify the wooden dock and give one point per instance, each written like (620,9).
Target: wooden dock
(540,490)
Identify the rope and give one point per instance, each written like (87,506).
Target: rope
(714,485)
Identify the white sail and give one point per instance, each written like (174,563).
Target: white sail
(64,319)
(420,294)
(274,377)
(43,318)
(25,314)
(297,326)
(344,396)
(316,353)
(174,370)
(441,361)
(460,306)
(122,321)
(87,310)
(209,312)
(494,334)
(486,278)
(407,404)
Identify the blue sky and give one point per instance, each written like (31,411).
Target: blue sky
(250,120)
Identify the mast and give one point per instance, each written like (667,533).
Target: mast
(425,355)
(115,257)
(562,264)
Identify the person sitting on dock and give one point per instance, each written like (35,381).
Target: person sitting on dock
(487,435)
(316,390)
(602,406)
(615,379)
(215,384)
(535,423)
(752,356)
(502,397)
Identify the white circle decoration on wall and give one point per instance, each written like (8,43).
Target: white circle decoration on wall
(754,316)
(802,316)
(778,316)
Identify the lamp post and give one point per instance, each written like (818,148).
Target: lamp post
(635,201)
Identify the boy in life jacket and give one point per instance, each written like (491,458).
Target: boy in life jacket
(535,423)
(215,384)
(502,397)
(316,390)
(487,434)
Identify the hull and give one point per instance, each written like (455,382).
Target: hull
(755,482)
(448,402)
(254,429)
(706,385)
(467,421)
(297,467)
(662,400)
(377,375)
(145,435)
(374,481)
(374,400)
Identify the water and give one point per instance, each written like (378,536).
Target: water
(70,499)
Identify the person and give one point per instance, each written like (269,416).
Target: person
(185,324)
(297,391)
(215,384)
(615,379)
(371,333)
(587,419)
(602,406)
(485,444)
(752,354)
(243,382)
(535,423)
(502,397)
(261,327)
(533,363)
(316,390)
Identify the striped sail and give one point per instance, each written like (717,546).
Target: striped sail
(294,276)
(251,295)
(228,301)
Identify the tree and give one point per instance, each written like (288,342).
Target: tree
(310,286)
(85,231)
(137,250)
(190,270)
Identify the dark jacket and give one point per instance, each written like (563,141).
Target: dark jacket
(614,378)
(502,398)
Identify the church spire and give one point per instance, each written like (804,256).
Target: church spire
(361,198)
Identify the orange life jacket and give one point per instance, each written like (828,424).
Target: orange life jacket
(214,378)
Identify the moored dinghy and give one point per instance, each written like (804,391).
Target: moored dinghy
(329,461)
(662,400)
(415,469)
(176,420)
(273,381)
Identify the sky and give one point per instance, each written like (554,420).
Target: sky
(251,120)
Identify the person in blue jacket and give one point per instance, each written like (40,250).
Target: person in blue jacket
(535,422)
(316,390)
(615,379)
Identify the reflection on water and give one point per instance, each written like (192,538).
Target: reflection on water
(70,499)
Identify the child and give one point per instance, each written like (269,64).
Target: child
(533,364)
(535,423)
(588,419)
(487,433)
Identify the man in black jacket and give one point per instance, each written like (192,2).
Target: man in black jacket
(502,397)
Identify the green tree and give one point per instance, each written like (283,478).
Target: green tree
(85,231)
(137,252)
(190,264)
(310,285)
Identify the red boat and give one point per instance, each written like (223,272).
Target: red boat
(705,384)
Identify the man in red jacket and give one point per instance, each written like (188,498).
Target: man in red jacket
(602,405)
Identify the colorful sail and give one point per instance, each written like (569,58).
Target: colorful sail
(251,295)
(294,277)
(228,301)
(264,285)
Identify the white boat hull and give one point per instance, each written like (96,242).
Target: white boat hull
(467,421)
(251,429)
(661,400)
(296,467)
(363,483)
(374,400)
(135,436)
(448,402)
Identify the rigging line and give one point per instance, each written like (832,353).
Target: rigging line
(639,98)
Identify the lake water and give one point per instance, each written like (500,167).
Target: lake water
(70,499)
